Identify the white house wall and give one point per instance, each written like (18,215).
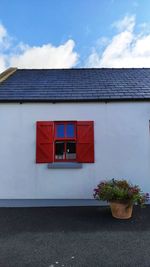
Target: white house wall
(122,149)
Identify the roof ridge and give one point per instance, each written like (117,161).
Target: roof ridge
(66,69)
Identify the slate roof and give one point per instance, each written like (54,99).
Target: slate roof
(55,85)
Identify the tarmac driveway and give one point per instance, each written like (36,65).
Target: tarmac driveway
(76,236)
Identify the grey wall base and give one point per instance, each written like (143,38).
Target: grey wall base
(50,202)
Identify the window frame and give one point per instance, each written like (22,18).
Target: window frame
(65,139)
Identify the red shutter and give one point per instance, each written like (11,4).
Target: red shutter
(44,141)
(85,141)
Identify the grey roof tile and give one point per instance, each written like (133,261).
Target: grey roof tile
(76,85)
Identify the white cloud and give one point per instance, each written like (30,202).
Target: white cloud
(127,23)
(3,35)
(5,40)
(2,63)
(3,32)
(44,56)
(125,49)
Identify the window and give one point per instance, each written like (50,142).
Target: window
(65,141)
(65,150)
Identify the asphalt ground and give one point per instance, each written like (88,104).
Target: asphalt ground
(73,237)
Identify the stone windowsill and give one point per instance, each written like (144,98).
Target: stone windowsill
(64,165)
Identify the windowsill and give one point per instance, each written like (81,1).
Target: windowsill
(64,165)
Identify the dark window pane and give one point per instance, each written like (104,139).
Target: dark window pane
(59,150)
(70,150)
(70,130)
(60,130)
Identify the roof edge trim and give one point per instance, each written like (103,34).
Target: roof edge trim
(5,74)
(54,101)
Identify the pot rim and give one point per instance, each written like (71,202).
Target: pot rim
(126,202)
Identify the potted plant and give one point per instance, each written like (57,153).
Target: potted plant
(121,195)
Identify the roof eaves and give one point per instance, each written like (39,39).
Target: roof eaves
(127,99)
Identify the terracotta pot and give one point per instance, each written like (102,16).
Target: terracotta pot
(121,210)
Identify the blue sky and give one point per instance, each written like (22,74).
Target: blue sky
(74,33)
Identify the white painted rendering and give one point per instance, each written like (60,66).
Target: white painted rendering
(122,149)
